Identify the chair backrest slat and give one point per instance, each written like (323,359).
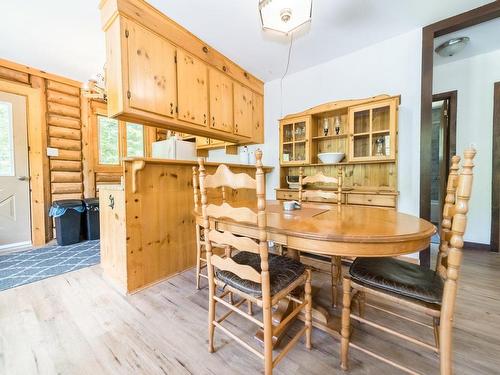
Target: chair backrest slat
(225,210)
(229,239)
(320,177)
(243,271)
(223,177)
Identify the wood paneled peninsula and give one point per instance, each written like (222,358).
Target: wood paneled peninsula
(147,225)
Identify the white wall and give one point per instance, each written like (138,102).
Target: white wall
(390,67)
(474,78)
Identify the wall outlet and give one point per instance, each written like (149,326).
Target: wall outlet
(51,151)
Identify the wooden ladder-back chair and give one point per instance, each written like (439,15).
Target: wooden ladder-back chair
(252,273)
(335,261)
(423,290)
(201,261)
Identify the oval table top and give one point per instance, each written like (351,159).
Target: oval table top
(343,230)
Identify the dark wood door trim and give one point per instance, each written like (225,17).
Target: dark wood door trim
(495,166)
(461,21)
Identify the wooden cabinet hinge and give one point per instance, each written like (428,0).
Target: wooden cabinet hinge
(129,95)
(126,33)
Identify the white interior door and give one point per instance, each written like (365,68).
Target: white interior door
(15,227)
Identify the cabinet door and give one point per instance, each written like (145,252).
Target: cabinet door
(373,131)
(221,101)
(192,80)
(151,71)
(258,118)
(242,110)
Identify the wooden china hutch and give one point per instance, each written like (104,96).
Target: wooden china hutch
(365,130)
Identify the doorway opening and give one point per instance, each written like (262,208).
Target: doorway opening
(15,213)
(443,147)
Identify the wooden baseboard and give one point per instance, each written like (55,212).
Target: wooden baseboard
(477,246)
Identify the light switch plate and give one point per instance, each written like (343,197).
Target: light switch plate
(51,151)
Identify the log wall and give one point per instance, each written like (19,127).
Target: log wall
(65,134)
(64,131)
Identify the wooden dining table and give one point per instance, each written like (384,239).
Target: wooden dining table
(340,230)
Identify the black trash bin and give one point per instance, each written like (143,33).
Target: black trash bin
(68,216)
(90,223)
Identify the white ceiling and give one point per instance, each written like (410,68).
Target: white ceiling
(484,38)
(64,37)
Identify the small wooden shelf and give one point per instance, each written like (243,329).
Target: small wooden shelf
(335,136)
(381,131)
(357,162)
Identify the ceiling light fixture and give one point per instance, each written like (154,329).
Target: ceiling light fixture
(452,46)
(284,16)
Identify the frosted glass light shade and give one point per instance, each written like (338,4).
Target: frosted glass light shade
(284,15)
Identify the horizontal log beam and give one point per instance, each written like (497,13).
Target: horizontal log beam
(65,133)
(65,166)
(68,155)
(58,197)
(62,98)
(66,188)
(14,75)
(61,87)
(66,177)
(108,177)
(66,144)
(65,122)
(63,110)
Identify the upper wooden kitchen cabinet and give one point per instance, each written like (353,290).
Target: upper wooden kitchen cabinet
(192,78)
(221,101)
(258,118)
(159,74)
(151,73)
(243,111)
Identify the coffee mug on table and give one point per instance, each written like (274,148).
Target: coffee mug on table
(290,205)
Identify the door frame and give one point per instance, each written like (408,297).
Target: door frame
(473,17)
(495,168)
(37,159)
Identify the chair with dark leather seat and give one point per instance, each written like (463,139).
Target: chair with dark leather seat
(249,271)
(319,196)
(432,292)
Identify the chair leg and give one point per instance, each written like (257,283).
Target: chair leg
(268,339)
(445,346)
(249,307)
(346,323)
(211,305)
(308,312)
(361,303)
(435,324)
(336,273)
(198,257)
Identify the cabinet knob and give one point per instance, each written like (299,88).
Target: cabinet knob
(171,108)
(204,118)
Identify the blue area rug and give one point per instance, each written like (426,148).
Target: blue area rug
(25,267)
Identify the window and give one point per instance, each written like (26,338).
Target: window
(109,150)
(116,140)
(6,140)
(135,140)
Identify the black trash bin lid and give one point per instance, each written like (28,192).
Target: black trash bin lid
(91,202)
(67,203)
